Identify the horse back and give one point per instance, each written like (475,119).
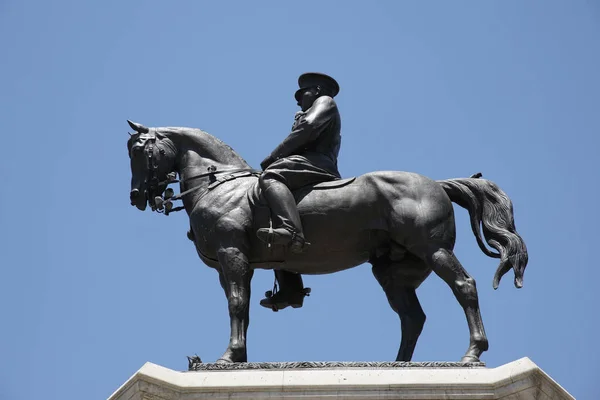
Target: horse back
(346,223)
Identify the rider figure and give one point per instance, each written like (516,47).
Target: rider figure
(307,156)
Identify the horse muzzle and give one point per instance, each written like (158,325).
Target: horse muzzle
(138,199)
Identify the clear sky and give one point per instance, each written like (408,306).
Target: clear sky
(92,288)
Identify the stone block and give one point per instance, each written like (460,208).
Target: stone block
(518,380)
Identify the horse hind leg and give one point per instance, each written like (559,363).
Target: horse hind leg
(399,286)
(445,264)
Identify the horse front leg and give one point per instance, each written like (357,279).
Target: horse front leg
(235,276)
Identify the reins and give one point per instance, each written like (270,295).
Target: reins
(166,203)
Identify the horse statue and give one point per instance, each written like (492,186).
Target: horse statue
(401,223)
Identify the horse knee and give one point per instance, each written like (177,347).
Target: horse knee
(237,304)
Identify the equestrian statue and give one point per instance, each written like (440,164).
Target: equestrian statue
(297,216)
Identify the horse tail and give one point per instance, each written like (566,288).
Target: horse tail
(490,208)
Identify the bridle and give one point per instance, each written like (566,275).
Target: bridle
(153,184)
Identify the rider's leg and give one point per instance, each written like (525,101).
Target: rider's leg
(287,230)
(291,292)
(287,227)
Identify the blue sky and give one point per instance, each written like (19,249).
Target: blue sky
(91,288)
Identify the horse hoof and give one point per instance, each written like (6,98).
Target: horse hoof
(470,359)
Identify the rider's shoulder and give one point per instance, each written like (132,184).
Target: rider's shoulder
(325,101)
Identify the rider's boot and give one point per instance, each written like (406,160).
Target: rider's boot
(291,292)
(289,229)
(283,236)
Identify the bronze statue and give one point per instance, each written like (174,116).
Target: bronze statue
(306,157)
(401,223)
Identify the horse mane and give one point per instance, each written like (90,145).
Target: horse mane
(204,137)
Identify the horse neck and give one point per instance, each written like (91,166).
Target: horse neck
(198,150)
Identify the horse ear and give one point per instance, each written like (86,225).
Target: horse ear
(138,127)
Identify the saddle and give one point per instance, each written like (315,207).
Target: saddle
(330,185)
(261,211)
(256,199)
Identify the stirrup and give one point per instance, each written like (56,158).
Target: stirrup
(284,303)
(298,243)
(282,236)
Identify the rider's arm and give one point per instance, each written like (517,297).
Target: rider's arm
(308,129)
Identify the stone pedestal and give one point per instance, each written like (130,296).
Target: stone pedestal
(518,380)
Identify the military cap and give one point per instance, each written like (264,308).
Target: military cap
(314,79)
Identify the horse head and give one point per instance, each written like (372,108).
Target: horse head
(152,156)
